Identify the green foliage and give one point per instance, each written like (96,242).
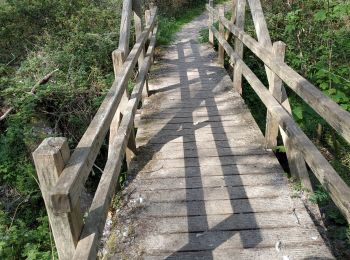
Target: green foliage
(320,196)
(38,37)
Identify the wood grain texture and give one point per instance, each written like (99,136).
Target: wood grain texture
(50,158)
(202,184)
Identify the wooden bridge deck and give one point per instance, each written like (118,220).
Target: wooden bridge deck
(202,185)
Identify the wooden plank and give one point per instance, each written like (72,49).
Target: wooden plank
(181,172)
(296,162)
(218,207)
(125,23)
(118,60)
(328,177)
(221,56)
(194,152)
(70,184)
(298,252)
(261,238)
(211,193)
(210,23)
(329,110)
(226,222)
(228,35)
(88,243)
(50,158)
(261,31)
(275,87)
(211,181)
(240,17)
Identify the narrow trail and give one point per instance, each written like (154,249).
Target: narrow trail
(202,186)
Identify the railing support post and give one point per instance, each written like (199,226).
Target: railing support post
(296,161)
(275,88)
(237,72)
(148,14)
(210,23)
(222,32)
(118,60)
(50,158)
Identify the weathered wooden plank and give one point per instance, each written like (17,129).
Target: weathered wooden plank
(226,222)
(176,152)
(50,158)
(296,162)
(238,181)
(70,184)
(125,23)
(88,243)
(328,177)
(221,50)
(211,193)
(241,169)
(210,23)
(337,117)
(275,87)
(292,251)
(218,207)
(261,238)
(118,60)
(240,17)
(238,139)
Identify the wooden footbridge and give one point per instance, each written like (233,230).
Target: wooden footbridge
(204,183)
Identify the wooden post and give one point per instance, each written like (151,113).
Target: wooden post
(228,35)
(222,32)
(118,60)
(50,158)
(275,88)
(148,13)
(210,23)
(296,161)
(137,7)
(237,73)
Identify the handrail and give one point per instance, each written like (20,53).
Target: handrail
(339,191)
(62,176)
(337,117)
(94,223)
(70,184)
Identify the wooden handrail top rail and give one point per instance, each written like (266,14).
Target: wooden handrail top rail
(71,182)
(329,110)
(94,224)
(328,177)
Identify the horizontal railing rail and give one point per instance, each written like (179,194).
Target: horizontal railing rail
(295,138)
(62,176)
(329,110)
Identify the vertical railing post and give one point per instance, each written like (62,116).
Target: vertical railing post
(118,58)
(222,32)
(275,88)
(210,23)
(237,72)
(296,161)
(148,13)
(50,159)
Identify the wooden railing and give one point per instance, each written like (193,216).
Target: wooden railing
(299,148)
(62,176)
